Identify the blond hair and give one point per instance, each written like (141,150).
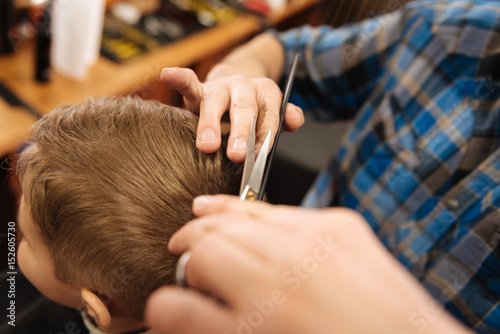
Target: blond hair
(108,182)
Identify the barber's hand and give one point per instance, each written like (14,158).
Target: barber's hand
(244,97)
(284,270)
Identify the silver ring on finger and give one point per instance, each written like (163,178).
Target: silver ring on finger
(180,270)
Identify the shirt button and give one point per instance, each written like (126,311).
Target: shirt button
(452,204)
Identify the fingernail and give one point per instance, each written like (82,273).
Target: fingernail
(201,201)
(165,71)
(208,136)
(239,144)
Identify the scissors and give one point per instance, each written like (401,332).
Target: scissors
(255,170)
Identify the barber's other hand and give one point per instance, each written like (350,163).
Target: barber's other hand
(285,270)
(244,97)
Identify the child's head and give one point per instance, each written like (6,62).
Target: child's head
(105,184)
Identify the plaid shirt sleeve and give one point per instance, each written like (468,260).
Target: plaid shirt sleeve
(422,161)
(341,66)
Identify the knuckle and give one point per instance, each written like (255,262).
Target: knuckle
(267,121)
(190,71)
(269,87)
(183,85)
(239,78)
(271,116)
(206,225)
(187,73)
(346,220)
(239,128)
(245,104)
(266,82)
(213,94)
(189,90)
(226,202)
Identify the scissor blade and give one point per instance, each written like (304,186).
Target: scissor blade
(286,95)
(255,180)
(250,157)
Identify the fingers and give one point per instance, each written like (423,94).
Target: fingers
(294,118)
(280,215)
(244,97)
(213,105)
(252,97)
(224,269)
(243,107)
(211,205)
(255,236)
(206,205)
(186,82)
(239,220)
(269,111)
(183,311)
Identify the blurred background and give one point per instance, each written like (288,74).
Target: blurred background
(65,51)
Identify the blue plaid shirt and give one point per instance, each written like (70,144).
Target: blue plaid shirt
(422,161)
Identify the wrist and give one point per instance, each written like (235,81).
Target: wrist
(262,57)
(226,69)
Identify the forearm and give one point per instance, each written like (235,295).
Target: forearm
(263,56)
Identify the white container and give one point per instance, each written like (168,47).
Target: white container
(276,4)
(76,36)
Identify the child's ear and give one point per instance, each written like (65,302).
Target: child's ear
(96,308)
